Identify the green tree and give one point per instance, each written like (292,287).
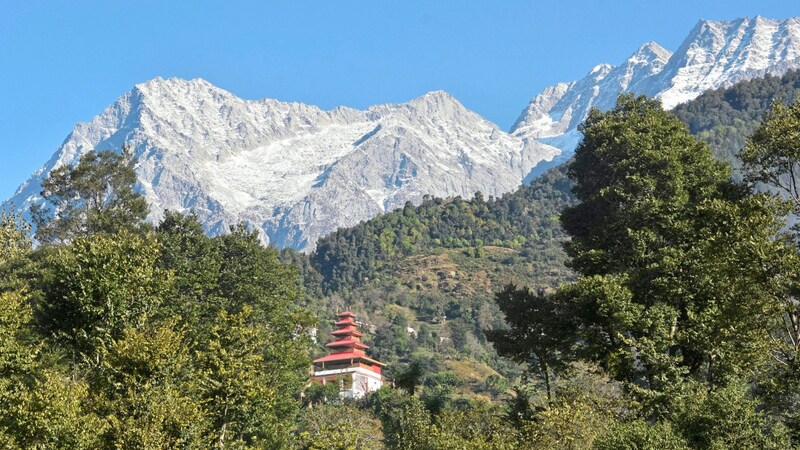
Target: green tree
(41,407)
(587,405)
(772,154)
(145,390)
(241,390)
(410,378)
(679,266)
(724,418)
(640,435)
(196,261)
(95,196)
(252,348)
(772,158)
(95,288)
(338,427)
(406,423)
(479,426)
(14,241)
(540,333)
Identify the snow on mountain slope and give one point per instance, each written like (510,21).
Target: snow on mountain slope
(294,171)
(713,55)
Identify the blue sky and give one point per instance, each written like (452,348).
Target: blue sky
(63,62)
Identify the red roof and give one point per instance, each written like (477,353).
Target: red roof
(348,348)
(346,356)
(347,321)
(347,332)
(346,343)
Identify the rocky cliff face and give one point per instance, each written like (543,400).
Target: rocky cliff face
(293,171)
(713,55)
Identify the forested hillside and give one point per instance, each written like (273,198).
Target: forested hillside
(521,220)
(676,330)
(639,298)
(725,118)
(434,268)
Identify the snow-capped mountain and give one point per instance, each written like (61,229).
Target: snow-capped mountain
(290,170)
(713,55)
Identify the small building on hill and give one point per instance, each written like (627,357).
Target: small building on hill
(348,364)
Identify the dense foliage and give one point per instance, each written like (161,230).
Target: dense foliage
(351,257)
(772,158)
(676,260)
(129,337)
(670,321)
(684,279)
(724,118)
(96,195)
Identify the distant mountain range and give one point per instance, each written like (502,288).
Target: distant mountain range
(295,172)
(713,55)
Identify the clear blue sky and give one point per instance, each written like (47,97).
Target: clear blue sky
(64,61)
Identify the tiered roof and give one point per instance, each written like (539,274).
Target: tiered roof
(347,347)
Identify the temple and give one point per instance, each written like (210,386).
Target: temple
(348,363)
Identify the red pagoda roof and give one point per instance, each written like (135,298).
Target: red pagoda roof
(346,343)
(346,356)
(348,348)
(347,332)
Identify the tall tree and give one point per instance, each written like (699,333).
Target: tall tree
(772,154)
(196,261)
(41,407)
(772,157)
(146,392)
(252,347)
(540,333)
(680,269)
(96,195)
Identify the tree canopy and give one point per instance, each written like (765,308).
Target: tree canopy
(96,195)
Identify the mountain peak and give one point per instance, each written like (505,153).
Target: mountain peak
(435,104)
(601,70)
(170,96)
(719,53)
(290,170)
(714,54)
(650,52)
(438,97)
(173,83)
(438,93)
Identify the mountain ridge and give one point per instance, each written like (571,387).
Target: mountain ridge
(715,54)
(292,171)
(295,172)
